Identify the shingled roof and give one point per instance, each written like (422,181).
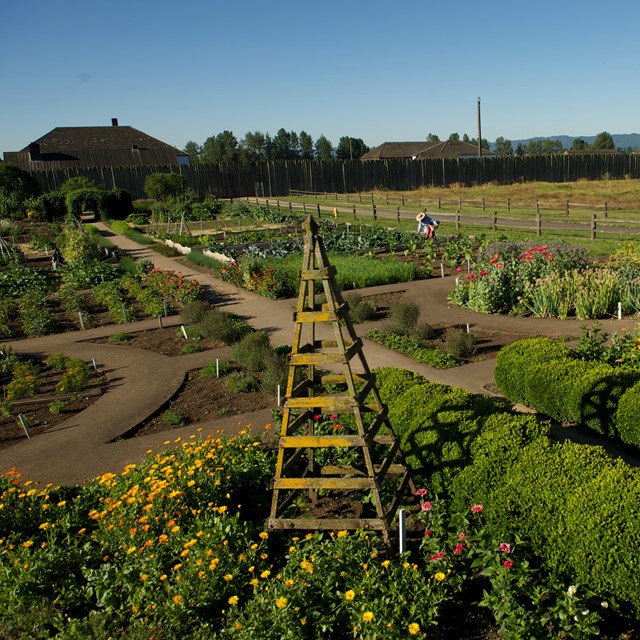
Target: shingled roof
(421,150)
(112,146)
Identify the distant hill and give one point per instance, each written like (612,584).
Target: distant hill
(621,140)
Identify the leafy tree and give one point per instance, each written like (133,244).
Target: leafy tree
(161,186)
(252,146)
(474,141)
(534,148)
(350,148)
(77,183)
(193,149)
(520,151)
(306,145)
(16,186)
(221,148)
(285,145)
(503,147)
(552,146)
(324,148)
(579,144)
(454,137)
(603,141)
(432,137)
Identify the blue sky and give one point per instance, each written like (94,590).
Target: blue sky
(374,70)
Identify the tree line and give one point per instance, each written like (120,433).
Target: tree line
(289,145)
(285,145)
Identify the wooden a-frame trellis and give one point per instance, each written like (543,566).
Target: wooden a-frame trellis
(317,402)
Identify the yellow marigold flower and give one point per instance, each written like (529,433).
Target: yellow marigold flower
(135,608)
(61,503)
(175,529)
(281,603)
(414,629)
(264,535)
(177,567)
(237,626)
(406,565)
(188,545)
(367,616)
(251,569)
(307,566)
(81,531)
(233,600)
(163,577)
(163,537)
(440,576)
(144,577)
(288,583)
(27,543)
(265,574)
(177,599)
(342,534)
(131,550)
(253,582)
(349,595)
(386,563)
(44,526)
(228,577)
(184,552)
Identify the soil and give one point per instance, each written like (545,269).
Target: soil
(202,399)
(168,341)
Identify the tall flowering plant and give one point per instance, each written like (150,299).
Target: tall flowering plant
(172,286)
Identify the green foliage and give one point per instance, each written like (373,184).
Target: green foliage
(34,315)
(512,362)
(77,183)
(460,344)
(193,312)
(191,347)
(360,309)
(16,279)
(173,418)
(240,382)
(57,407)
(16,186)
(84,275)
(78,247)
(76,376)
(211,370)
(25,381)
(392,382)
(119,337)
(7,312)
(274,373)
(124,229)
(626,416)
(252,351)
(403,317)
(161,186)
(8,359)
(415,349)
(219,325)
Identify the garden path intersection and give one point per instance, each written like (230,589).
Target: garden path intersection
(90,443)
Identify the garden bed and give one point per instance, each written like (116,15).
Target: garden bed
(203,399)
(168,341)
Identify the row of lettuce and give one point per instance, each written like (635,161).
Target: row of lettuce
(540,533)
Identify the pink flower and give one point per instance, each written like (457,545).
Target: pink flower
(459,549)
(421,492)
(507,564)
(458,269)
(317,417)
(477,508)
(426,506)
(333,418)
(505,547)
(428,533)
(462,535)
(437,556)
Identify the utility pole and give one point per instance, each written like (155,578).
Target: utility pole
(479,132)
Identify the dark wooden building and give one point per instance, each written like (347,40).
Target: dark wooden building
(424,151)
(80,147)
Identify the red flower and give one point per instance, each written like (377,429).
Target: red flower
(426,506)
(507,564)
(505,547)
(338,426)
(437,556)
(421,492)
(459,549)
(428,533)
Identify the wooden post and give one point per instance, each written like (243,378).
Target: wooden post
(593,226)
(278,205)
(439,203)
(375,213)
(567,207)
(354,211)
(538,224)
(606,209)
(304,208)
(402,200)
(318,207)
(387,196)
(266,202)
(398,214)
(458,220)
(290,208)
(537,207)
(508,205)
(459,204)
(483,208)
(495,220)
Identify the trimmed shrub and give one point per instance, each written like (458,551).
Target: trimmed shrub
(274,374)
(239,382)
(512,361)
(627,420)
